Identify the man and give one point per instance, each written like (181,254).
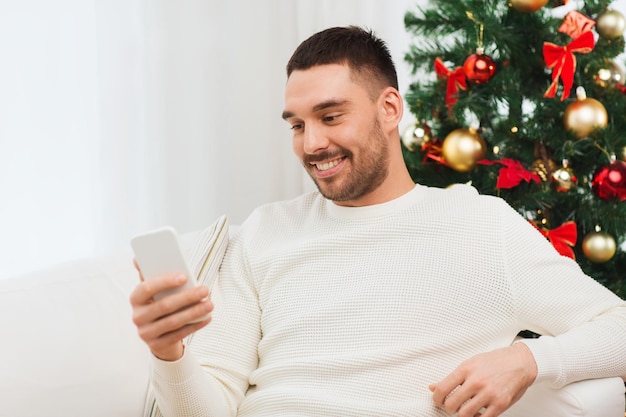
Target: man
(375,296)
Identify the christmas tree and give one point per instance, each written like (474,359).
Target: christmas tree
(525,100)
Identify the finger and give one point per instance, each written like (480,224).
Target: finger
(136,265)
(473,407)
(495,403)
(491,411)
(174,303)
(146,290)
(459,399)
(485,401)
(179,300)
(168,328)
(444,388)
(169,339)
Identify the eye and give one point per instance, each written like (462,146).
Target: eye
(297,126)
(331,118)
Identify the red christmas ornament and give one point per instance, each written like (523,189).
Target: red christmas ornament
(609,182)
(478,67)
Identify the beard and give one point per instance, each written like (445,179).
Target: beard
(368,170)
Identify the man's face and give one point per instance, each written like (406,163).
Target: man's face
(336,133)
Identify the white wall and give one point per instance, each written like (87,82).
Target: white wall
(122,115)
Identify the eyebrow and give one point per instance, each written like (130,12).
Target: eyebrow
(321,106)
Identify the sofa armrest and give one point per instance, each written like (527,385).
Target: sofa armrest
(69,346)
(589,398)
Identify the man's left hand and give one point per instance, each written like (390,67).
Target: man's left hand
(487,384)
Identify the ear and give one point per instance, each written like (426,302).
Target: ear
(391,108)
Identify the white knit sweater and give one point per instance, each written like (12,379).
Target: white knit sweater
(323,310)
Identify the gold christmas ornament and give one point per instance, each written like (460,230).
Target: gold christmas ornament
(462,148)
(584,115)
(599,246)
(415,135)
(563,178)
(609,74)
(610,24)
(527,6)
(542,169)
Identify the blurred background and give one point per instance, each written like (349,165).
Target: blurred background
(118,116)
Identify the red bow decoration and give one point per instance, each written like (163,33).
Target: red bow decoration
(562,61)
(512,174)
(575,23)
(563,238)
(456,81)
(432,150)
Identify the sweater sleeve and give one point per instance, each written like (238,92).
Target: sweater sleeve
(582,323)
(212,377)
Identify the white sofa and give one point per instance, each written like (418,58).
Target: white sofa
(69,348)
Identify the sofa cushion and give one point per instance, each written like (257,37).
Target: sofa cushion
(69,347)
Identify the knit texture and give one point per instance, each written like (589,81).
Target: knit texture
(323,310)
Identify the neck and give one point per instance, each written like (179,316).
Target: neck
(395,185)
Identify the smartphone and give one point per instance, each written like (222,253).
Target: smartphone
(158,253)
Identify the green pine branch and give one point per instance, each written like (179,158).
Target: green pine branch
(515,117)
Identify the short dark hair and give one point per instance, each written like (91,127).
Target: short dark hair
(365,54)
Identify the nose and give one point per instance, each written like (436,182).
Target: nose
(315,140)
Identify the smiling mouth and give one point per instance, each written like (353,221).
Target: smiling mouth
(325,166)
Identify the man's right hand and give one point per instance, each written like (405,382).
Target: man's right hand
(160,324)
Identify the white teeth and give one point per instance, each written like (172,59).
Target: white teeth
(327,165)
